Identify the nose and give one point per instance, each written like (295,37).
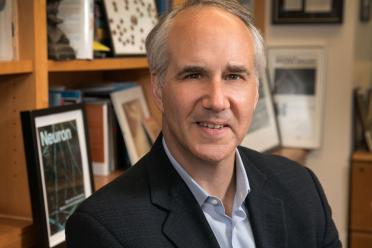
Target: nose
(215,98)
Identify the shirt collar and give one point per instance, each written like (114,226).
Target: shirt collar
(242,183)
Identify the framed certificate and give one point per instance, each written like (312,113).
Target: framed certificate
(298,87)
(307,11)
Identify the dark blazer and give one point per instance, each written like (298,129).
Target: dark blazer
(151,206)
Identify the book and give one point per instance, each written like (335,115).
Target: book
(101,44)
(78,25)
(8,30)
(163,6)
(103,91)
(58,97)
(100,131)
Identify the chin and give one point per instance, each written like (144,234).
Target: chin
(214,153)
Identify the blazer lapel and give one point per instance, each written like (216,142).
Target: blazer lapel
(185,225)
(267,221)
(266,213)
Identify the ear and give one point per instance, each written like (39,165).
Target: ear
(157,91)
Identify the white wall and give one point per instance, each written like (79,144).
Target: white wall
(331,161)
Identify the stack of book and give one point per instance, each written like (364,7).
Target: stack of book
(120,128)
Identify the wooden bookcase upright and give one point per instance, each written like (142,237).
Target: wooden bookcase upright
(360,229)
(24,85)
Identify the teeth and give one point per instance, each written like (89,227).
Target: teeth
(212,126)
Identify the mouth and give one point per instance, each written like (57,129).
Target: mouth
(211,125)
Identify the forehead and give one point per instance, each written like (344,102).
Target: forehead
(208,32)
(208,16)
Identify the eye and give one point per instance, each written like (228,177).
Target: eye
(193,76)
(233,77)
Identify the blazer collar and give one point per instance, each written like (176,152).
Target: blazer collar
(185,224)
(169,192)
(266,213)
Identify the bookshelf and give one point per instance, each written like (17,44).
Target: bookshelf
(16,67)
(360,211)
(98,64)
(24,85)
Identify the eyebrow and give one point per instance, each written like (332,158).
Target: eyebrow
(192,69)
(202,70)
(237,69)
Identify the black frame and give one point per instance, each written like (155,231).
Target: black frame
(365,10)
(35,177)
(282,16)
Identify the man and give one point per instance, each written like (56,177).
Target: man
(196,187)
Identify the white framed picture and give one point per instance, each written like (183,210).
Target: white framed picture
(129,24)
(132,111)
(263,134)
(298,86)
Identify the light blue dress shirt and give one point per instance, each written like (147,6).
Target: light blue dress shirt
(230,232)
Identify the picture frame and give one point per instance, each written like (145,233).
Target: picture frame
(298,86)
(129,23)
(307,11)
(365,10)
(58,167)
(263,134)
(131,111)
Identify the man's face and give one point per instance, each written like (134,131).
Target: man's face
(210,89)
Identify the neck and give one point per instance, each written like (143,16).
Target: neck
(218,180)
(215,177)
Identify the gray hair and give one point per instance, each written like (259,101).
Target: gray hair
(156,41)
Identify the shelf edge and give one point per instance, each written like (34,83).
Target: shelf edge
(98,64)
(16,67)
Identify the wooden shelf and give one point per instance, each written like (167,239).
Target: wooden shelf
(362,156)
(19,233)
(16,233)
(98,64)
(296,154)
(100,181)
(15,67)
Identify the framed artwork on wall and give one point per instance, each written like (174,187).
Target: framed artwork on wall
(263,134)
(298,86)
(307,11)
(58,167)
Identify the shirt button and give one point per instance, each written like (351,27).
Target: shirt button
(214,201)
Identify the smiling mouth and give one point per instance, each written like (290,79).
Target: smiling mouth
(211,125)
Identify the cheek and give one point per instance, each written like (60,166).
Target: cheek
(183,97)
(245,102)
(176,103)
